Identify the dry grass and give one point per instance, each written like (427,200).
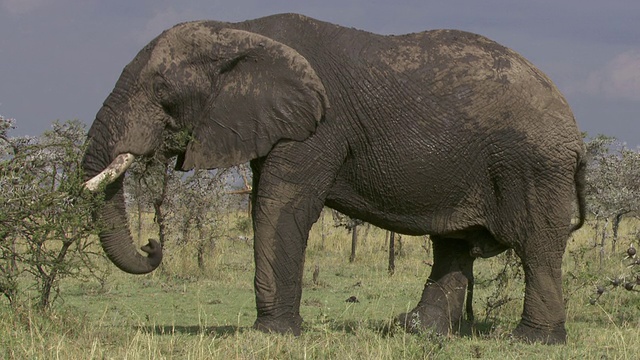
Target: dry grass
(182,312)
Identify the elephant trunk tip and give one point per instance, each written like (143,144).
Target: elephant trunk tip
(154,253)
(138,265)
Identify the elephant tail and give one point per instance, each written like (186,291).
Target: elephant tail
(580,182)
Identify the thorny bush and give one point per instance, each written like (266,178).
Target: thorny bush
(45,217)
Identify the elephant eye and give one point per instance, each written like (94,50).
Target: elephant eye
(161,90)
(165,96)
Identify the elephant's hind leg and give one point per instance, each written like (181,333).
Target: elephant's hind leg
(539,233)
(442,304)
(543,315)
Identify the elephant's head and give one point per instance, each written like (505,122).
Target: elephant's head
(230,96)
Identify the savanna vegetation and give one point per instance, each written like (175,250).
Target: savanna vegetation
(60,298)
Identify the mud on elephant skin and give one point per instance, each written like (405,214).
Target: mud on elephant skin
(442,132)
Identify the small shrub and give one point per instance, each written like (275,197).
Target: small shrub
(45,217)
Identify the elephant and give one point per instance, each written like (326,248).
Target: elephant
(442,133)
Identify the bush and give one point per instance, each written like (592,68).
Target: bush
(45,217)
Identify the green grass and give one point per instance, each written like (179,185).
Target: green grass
(181,312)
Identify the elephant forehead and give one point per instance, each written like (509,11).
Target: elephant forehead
(213,40)
(175,45)
(200,37)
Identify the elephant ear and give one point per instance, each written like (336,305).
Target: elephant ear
(266,92)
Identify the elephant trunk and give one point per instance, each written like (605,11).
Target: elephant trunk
(115,236)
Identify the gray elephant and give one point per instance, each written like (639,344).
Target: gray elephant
(442,132)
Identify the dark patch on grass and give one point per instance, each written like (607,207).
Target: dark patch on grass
(218,331)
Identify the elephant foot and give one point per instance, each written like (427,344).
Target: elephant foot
(426,318)
(279,325)
(538,334)
(441,307)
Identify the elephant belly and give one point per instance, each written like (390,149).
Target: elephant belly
(408,194)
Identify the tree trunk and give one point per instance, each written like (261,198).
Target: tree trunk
(392,252)
(138,194)
(365,236)
(596,232)
(323,230)
(602,241)
(48,279)
(157,205)
(399,247)
(354,242)
(615,226)
(186,222)
(201,243)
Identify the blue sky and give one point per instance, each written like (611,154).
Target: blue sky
(59,59)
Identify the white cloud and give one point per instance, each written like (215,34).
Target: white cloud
(618,79)
(19,7)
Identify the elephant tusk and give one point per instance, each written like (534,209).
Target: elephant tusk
(117,167)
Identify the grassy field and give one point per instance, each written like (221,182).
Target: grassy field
(181,312)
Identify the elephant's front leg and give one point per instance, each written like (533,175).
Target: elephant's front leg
(281,231)
(287,202)
(441,307)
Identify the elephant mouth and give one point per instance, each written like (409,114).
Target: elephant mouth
(180,162)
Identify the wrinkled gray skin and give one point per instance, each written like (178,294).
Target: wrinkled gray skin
(443,133)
